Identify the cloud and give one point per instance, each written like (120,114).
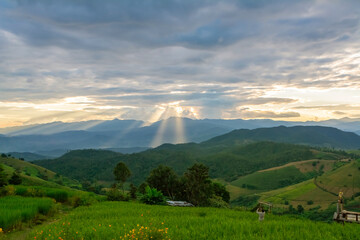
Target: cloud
(213,55)
(247,113)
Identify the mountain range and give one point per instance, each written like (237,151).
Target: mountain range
(124,134)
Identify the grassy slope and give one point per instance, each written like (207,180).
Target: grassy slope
(112,220)
(345,179)
(269,180)
(332,182)
(277,177)
(33,174)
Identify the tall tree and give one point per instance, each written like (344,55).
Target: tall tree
(164,178)
(3,181)
(122,173)
(198,185)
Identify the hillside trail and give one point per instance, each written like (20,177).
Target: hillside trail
(23,234)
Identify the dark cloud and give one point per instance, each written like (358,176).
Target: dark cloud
(202,53)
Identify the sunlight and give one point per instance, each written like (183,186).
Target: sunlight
(158,140)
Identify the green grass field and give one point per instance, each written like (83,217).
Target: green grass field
(122,220)
(269,180)
(345,179)
(15,210)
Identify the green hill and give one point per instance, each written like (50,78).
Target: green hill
(321,191)
(34,175)
(307,135)
(225,162)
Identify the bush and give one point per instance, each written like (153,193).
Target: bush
(310,202)
(8,191)
(218,202)
(81,200)
(115,195)
(153,196)
(15,179)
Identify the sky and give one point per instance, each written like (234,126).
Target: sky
(77,60)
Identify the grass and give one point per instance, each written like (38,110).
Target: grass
(345,179)
(268,180)
(15,210)
(120,220)
(32,174)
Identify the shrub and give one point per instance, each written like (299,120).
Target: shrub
(115,195)
(300,209)
(218,202)
(81,200)
(153,197)
(310,202)
(15,179)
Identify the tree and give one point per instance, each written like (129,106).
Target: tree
(300,209)
(164,178)
(3,181)
(220,190)
(142,188)
(198,185)
(122,173)
(133,190)
(15,179)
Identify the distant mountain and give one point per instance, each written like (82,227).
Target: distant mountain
(307,135)
(131,133)
(116,134)
(346,124)
(27,156)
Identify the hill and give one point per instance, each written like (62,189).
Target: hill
(34,175)
(225,162)
(28,156)
(321,191)
(307,135)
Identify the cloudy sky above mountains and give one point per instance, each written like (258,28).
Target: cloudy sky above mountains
(75,60)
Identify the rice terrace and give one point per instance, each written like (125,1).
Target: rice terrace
(176,120)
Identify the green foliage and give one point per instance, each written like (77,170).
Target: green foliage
(153,196)
(142,188)
(220,191)
(133,190)
(228,161)
(121,172)
(164,179)
(198,185)
(3,181)
(115,195)
(15,210)
(15,179)
(218,202)
(300,209)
